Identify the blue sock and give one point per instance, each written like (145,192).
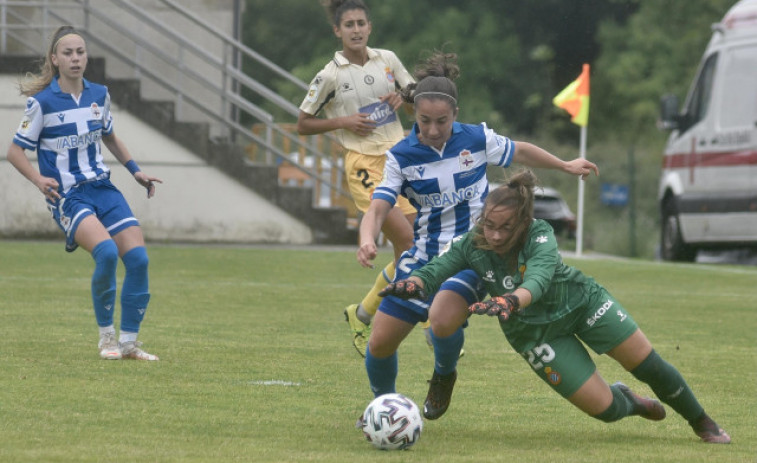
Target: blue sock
(382,373)
(105,255)
(135,293)
(447,351)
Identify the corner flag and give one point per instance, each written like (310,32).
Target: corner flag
(575,98)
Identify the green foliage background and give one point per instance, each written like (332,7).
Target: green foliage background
(515,56)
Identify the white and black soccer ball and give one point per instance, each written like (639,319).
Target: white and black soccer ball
(392,422)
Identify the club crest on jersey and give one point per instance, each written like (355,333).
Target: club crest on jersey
(553,376)
(466,160)
(389,75)
(312,93)
(65,221)
(96,113)
(379,112)
(507,282)
(368,80)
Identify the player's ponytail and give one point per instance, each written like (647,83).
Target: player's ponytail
(435,79)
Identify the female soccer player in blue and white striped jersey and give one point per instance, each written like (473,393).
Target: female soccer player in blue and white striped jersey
(66,116)
(441,168)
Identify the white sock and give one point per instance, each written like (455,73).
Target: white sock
(126,336)
(106,330)
(362,315)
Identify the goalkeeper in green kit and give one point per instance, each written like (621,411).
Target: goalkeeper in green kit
(546,309)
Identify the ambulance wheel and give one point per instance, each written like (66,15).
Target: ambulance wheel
(673,247)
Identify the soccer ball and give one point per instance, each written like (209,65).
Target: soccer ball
(392,422)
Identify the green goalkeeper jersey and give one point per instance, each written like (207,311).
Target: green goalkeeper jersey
(556,289)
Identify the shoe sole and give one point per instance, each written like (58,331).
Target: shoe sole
(357,349)
(151,358)
(429,416)
(709,438)
(347,319)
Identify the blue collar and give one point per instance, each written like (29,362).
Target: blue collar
(56,88)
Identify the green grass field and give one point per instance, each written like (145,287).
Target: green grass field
(257,366)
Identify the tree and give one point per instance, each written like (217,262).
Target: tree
(513,55)
(657,52)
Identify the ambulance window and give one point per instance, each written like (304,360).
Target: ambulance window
(738,106)
(700,96)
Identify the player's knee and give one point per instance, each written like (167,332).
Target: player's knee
(105,254)
(380,349)
(136,259)
(445,323)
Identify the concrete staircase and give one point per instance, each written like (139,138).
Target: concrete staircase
(329,225)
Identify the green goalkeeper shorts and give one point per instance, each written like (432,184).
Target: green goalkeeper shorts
(556,352)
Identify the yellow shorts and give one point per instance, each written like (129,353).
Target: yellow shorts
(364,174)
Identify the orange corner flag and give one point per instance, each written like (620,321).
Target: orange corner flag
(575,98)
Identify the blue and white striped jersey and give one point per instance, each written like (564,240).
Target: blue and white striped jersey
(447,188)
(66,132)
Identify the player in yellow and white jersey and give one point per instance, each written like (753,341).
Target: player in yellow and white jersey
(357,95)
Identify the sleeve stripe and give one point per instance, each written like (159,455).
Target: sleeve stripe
(24,142)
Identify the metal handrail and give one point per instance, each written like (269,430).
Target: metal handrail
(249,83)
(229,97)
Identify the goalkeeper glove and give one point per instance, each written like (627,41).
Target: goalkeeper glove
(501,306)
(404,289)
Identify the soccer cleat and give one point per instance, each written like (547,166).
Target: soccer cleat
(360,331)
(131,350)
(710,432)
(108,346)
(650,409)
(439,395)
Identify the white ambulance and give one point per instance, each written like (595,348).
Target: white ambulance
(708,188)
